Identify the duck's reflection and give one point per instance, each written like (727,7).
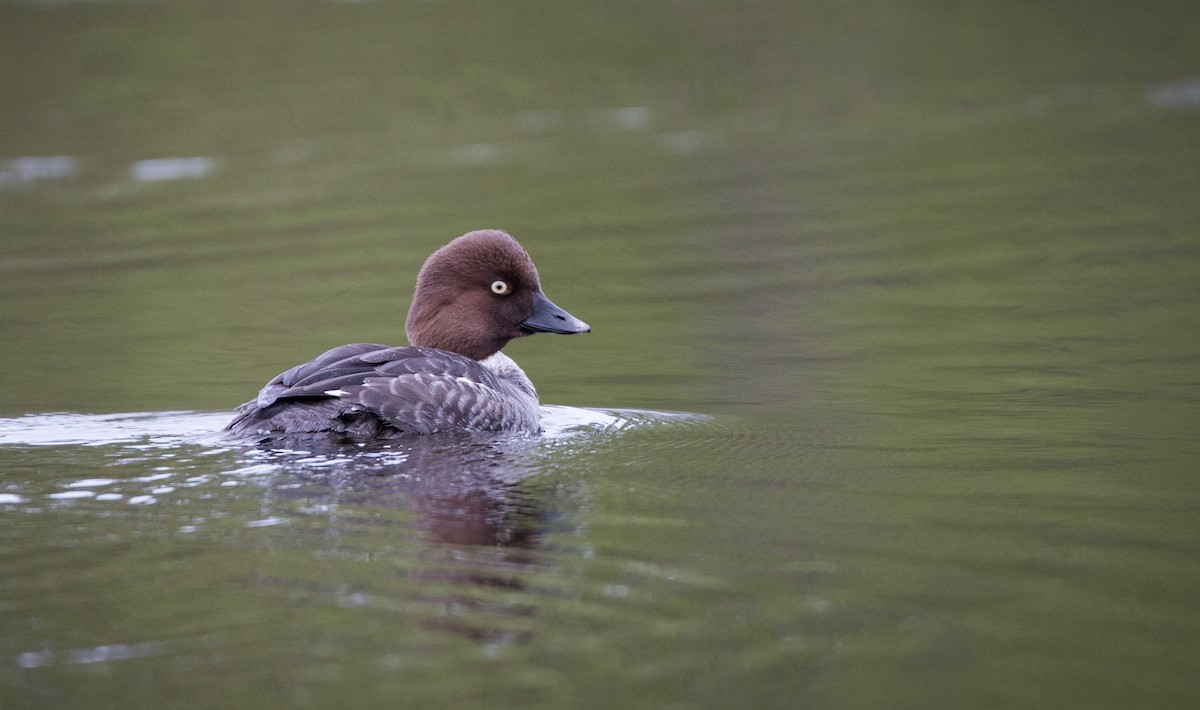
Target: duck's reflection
(464,489)
(482,513)
(461,518)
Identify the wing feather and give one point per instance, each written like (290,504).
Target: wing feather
(416,389)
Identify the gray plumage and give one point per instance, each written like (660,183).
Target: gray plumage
(368,391)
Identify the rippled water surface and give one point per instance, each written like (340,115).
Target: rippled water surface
(891,399)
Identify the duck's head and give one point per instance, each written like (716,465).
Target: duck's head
(479,292)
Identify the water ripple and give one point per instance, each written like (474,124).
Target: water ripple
(168,456)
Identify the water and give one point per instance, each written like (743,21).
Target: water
(891,397)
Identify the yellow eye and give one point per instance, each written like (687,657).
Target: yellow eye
(500,287)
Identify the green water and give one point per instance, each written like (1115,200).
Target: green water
(929,269)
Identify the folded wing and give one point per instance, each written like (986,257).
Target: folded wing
(408,389)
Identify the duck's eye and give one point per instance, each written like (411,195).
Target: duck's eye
(501,287)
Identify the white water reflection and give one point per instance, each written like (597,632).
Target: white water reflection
(84,656)
(630,118)
(32,168)
(180,441)
(174,428)
(92,483)
(1184,93)
(72,495)
(161,169)
(61,429)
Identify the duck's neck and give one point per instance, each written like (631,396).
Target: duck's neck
(509,371)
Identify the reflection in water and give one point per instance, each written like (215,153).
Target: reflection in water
(29,169)
(441,533)
(1175,94)
(160,169)
(465,489)
(631,118)
(456,492)
(105,653)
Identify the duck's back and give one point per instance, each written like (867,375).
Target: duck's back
(367,391)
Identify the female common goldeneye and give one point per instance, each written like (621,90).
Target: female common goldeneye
(473,296)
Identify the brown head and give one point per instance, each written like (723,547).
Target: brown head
(479,292)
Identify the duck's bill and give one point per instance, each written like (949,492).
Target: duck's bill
(549,318)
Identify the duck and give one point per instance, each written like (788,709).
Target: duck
(472,297)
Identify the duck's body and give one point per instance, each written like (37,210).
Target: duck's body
(473,296)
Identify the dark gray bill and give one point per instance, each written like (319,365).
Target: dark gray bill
(549,318)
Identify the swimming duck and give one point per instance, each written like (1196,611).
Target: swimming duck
(473,296)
